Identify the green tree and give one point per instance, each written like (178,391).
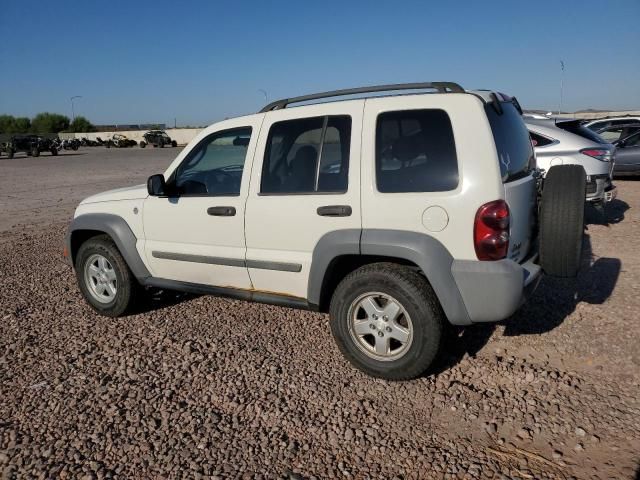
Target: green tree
(22,125)
(11,124)
(6,123)
(81,124)
(49,123)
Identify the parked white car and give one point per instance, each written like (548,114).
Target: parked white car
(395,214)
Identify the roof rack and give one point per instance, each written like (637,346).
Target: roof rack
(441,87)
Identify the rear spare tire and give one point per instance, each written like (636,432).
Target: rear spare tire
(562,220)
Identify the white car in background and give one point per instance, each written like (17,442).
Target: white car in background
(602,123)
(565,142)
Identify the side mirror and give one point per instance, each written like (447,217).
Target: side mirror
(620,144)
(156,185)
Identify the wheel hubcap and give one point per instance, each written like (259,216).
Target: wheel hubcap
(380,327)
(100,278)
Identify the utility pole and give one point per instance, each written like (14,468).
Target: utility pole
(561,84)
(73,113)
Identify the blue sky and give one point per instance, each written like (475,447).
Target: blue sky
(199,62)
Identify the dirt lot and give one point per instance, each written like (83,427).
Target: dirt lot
(205,387)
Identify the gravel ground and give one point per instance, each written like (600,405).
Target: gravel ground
(215,388)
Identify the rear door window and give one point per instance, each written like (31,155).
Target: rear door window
(513,143)
(308,155)
(415,152)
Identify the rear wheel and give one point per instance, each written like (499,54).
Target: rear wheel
(562,220)
(104,278)
(142,144)
(387,321)
(10,153)
(35,152)
(54,151)
(174,143)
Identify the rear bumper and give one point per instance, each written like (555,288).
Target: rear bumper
(597,186)
(493,291)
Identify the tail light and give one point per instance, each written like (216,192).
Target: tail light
(598,153)
(491,231)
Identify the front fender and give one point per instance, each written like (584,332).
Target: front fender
(119,231)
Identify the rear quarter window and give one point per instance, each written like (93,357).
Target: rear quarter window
(415,152)
(513,143)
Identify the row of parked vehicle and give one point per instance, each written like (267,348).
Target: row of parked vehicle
(34,145)
(155,138)
(605,148)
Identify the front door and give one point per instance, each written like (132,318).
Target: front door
(196,233)
(305,183)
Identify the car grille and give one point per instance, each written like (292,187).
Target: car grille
(592,187)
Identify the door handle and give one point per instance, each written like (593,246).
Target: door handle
(335,211)
(222,211)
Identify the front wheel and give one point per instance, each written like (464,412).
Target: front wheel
(104,278)
(387,321)
(142,144)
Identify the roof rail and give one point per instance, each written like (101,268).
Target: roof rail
(442,87)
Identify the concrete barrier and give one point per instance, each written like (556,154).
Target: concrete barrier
(180,135)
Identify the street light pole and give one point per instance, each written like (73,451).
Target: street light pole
(561,84)
(73,113)
(264,92)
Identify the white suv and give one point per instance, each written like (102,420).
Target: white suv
(395,214)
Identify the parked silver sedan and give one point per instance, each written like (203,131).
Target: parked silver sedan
(561,142)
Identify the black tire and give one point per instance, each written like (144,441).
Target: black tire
(412,291)
(11,153)
(128,289)
(562,220)
(35,152)
(174,143)
(54,151)
(142,144)
(161,144)
(108,144)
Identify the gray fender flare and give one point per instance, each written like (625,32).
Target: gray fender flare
(433,259)
(119,231)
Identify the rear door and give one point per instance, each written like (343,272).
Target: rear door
(628,156)
(305,184)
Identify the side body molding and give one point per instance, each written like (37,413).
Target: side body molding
(118,229)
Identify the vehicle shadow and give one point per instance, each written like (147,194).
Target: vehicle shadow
(553,301)
(157,299)
(613,213)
